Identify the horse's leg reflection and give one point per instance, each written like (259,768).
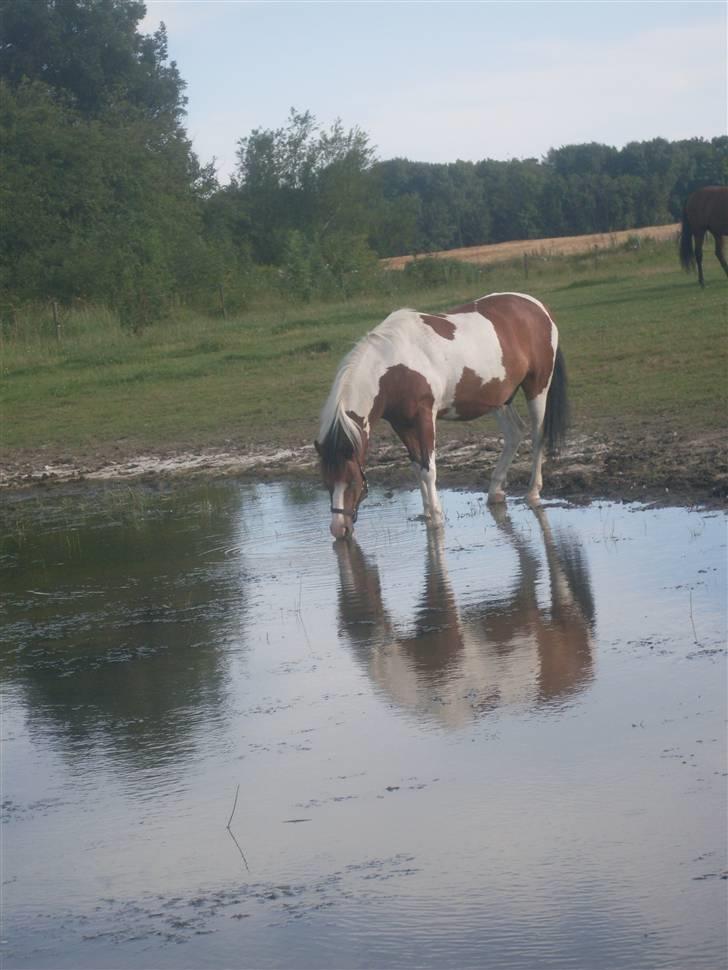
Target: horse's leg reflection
(562,633)
(566,647)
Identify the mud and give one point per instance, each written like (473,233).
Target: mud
(647,465)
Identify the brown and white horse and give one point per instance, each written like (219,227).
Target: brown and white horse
(417,367)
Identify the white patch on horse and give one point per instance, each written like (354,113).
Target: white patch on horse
(522,296)
(476,346)
(403,337)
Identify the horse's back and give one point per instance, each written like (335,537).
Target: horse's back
(504,340)
(707,208)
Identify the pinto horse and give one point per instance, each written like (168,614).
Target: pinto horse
(706,210)
(416,368)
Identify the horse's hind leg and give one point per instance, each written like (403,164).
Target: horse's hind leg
(699,237)
(537,412)
(719,253)
(512,428)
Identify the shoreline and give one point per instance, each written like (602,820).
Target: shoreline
(643,467)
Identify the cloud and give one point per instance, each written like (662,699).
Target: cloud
(665,82)
(511,97)
(179,18)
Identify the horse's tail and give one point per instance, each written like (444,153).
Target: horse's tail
(687,254)
(556,419)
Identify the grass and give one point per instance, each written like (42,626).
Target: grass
(642,342)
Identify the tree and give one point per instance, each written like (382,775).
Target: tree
(91,51)
(100,191)
(305,179)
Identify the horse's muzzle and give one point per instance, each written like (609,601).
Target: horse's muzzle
(342,523)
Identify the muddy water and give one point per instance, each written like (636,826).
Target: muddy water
(498,745)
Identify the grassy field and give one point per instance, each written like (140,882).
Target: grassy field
(643,343)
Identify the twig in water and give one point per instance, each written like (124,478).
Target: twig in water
(695,634)
(305,633)
(232,835)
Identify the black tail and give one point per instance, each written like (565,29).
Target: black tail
(556,419)
(687,255)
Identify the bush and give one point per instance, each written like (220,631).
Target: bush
(429,271)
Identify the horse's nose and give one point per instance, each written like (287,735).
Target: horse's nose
(340,530)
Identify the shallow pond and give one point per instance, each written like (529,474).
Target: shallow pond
(229,742)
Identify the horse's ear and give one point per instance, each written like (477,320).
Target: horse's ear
(317,446)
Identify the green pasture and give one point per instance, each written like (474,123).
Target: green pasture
(642,343)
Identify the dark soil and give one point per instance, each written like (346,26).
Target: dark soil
(642,465)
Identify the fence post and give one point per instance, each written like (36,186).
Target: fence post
(222,302)
(525,265)
(56,319)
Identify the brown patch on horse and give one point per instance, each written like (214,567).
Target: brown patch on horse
(524,332)
(527,354)
(405,400)
(474,398)
(441,326)
(362,425)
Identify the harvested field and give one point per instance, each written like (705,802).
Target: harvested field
(557,246)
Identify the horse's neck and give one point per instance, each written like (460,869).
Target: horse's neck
(359,389)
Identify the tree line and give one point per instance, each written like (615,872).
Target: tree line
(103,199)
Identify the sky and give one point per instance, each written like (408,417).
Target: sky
(441,81)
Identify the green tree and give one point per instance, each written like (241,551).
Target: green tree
(102,196)
(91,51)
(303,179)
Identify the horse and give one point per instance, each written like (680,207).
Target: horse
(416,368)
(531,642)
(706,210)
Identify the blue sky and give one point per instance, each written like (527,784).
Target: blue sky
(438,81)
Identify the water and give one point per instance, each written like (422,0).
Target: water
(502,744)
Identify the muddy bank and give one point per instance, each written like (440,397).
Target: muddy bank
(649,466)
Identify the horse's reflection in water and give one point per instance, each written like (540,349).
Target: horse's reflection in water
(454,664)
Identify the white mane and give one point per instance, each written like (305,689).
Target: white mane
(356,384)
(334,411)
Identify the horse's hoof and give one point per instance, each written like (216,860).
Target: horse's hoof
(496,498)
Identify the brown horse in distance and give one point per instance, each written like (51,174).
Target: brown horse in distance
(706,210)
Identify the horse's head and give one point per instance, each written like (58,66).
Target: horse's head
(347,485)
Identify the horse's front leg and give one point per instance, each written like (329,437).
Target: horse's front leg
(427,480)
(719,253)
(418,437)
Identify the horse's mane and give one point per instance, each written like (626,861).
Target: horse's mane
(340,441)
(340,437)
